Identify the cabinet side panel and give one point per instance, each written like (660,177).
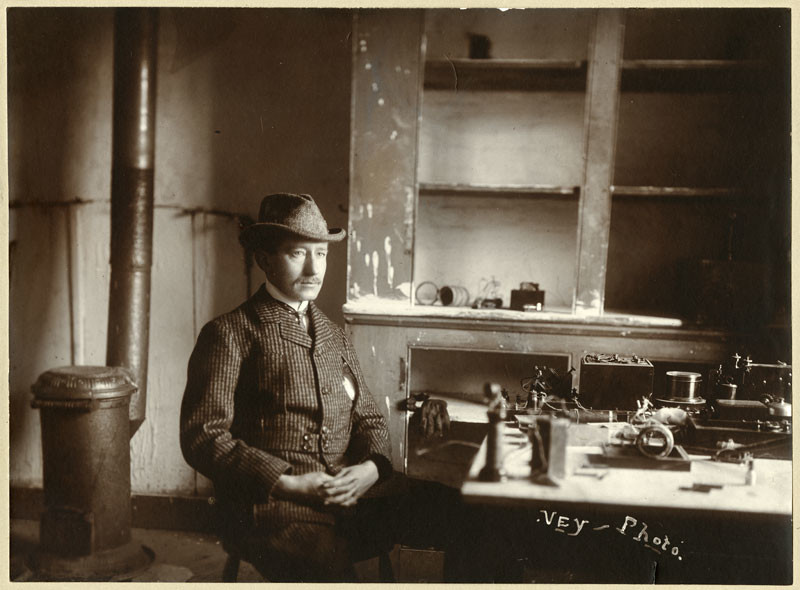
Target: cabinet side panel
(382,353)
(385,95)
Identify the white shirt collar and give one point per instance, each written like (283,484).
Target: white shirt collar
(298,306)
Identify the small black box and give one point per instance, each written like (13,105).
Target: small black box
(614,382)
(527,294)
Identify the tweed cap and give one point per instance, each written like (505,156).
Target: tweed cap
(295,214)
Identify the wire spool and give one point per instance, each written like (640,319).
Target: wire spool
(683,388)
(454,295)
(658,434)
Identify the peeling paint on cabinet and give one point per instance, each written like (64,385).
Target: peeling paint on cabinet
(383,146)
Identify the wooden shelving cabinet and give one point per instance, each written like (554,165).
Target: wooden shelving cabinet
(700,182)
(591,151)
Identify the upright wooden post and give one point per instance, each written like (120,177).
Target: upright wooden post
(383,161)
(602,106)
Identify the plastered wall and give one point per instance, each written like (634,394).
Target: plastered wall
(249,102)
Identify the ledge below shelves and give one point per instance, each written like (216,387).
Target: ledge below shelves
(401,309)
(476,190)
(638,75)
(675,191)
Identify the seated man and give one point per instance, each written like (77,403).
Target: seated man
(276,412)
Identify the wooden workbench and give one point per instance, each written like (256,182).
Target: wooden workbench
(593,483)
(605,524)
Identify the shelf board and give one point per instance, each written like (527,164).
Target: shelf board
(508,64)
(638,75)
(523,191)
(505,74)
(674,191)
(467,64)
(474,190)
(372,310)
(693,64)
(694,75)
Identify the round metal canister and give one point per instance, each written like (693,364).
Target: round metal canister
(453,295)
(726,391)
(86,468)
(682,385)
(427,293)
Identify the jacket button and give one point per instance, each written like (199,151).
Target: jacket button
(305,437)
(325,446)
(325,391)
(324,430)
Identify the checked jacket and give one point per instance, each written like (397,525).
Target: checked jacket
(264,397)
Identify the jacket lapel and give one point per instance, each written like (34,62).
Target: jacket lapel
(320,325)
(265,306)
(292,331)
(271,311)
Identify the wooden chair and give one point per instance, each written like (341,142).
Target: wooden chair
(385,571)
(373,548)
(231,570)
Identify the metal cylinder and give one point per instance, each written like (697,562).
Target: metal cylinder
(135,50)
(427,293)
(683,385)
(726,391)
(85,530)
(493,469)
(453,295)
